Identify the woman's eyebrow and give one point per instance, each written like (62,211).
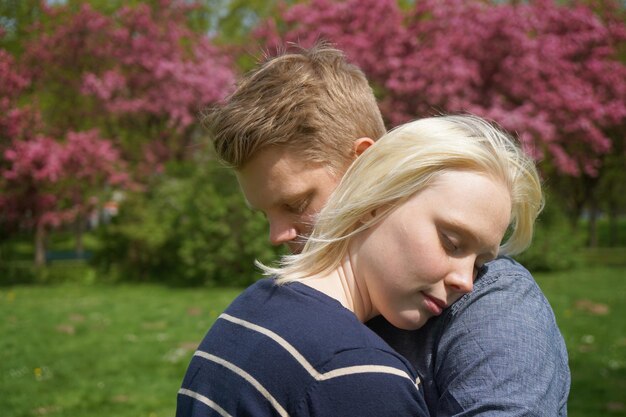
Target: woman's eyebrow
(466,232)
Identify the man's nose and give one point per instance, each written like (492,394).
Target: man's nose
(282,232)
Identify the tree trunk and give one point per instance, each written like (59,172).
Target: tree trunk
(40,245)
(593,224)
(613,225)
(79,230)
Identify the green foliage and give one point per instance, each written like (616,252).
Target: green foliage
(232,23)
(556,244)
(25,272)
(234,20)
(17,267)
(17,272)
(192,227)
(16,16)
(603,256)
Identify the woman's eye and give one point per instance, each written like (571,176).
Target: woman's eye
(449,243)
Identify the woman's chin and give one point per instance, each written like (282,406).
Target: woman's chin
(408,320)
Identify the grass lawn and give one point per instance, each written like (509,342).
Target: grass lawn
(87,351)
(117,351)
(590,307)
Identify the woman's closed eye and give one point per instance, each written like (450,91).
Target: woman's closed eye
(449,243)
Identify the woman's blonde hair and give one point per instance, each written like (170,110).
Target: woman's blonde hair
(405,161)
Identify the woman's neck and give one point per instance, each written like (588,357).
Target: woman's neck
(343,285)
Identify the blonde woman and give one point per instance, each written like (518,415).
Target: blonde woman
(403,236)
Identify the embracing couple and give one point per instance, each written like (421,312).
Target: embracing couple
(398,298)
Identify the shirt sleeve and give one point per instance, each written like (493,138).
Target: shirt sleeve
(501,352)
(352,388)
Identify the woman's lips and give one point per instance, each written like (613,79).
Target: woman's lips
(433,304)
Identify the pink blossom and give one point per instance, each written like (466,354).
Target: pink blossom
(47,182)
(139,66)
(547,72)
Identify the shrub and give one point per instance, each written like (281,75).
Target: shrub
(556,244)
(191,228)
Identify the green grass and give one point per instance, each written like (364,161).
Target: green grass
(590,307)
(76,351)
(97,350)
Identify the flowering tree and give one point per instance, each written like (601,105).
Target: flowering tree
(47,183)
(141,75)
(545,70)
(548,71)
(13,120)
(138,75)
(369,31)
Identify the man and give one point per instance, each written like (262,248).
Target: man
(290,131)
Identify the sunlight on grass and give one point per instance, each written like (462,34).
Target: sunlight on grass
(85,351)
(590,310)
(120,350)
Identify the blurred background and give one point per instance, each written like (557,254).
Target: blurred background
(122,238)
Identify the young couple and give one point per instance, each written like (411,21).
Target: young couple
(397,299)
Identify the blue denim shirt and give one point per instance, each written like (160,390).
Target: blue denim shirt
(496,352)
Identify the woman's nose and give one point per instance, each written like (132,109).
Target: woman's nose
(461,278)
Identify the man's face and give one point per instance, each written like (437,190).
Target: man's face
(289,191)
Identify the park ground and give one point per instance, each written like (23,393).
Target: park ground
(88,350)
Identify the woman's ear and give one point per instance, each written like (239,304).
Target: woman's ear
(369,216)
(361,145)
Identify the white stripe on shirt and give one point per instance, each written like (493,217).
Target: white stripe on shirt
(256,384)
(204,400)
(351,370)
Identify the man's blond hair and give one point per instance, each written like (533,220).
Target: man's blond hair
(311,101)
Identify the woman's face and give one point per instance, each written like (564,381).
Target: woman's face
(425,254)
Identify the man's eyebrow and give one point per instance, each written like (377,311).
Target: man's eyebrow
(288,199)
(297,198)
(294,198)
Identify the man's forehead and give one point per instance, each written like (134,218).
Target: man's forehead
(276,160)
(267,195)
(272,178)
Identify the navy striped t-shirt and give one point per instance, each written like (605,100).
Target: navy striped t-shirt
(291,350)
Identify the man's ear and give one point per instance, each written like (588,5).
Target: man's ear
(361,145)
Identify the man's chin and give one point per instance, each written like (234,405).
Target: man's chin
(295,247)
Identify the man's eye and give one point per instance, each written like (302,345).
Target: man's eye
(299,207)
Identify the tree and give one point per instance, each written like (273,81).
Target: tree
(140,75)
(46,183)
(540,68)
(548,71)
(92,166)
(13,120)
(136,74)
(16,16)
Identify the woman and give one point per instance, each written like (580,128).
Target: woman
(403,236)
